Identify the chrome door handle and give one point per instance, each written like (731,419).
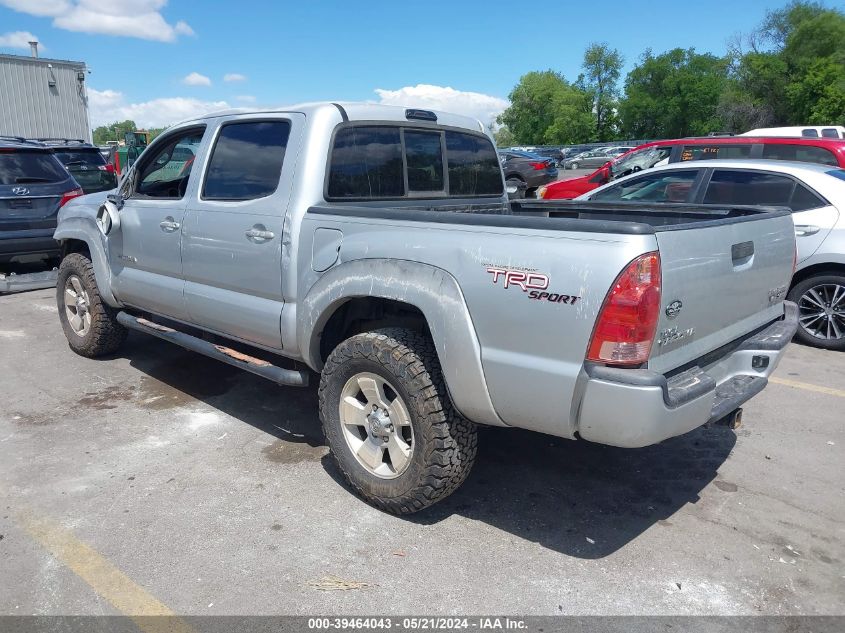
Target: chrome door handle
(802,230)
(169,225)
(259,234)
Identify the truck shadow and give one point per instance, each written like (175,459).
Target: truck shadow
(581,499)
(574,497)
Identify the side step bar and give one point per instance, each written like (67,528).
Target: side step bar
(258,366)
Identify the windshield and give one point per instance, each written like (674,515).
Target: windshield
(837,173)
(22,166)
(645,158)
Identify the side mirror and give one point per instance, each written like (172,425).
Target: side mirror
(108,218)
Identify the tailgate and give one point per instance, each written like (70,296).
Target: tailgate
(720,281)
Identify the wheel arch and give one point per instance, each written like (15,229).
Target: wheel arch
(823,268)
(75,237)
(390,292)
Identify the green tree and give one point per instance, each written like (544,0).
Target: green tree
(800,79)
(602,69)
(547,109)
(504,137)
(113,131)
(674,94)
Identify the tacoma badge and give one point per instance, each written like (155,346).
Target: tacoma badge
(674,309)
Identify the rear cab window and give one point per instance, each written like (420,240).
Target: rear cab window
(25,166)
(370,162)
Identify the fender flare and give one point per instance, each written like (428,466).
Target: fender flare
(80,229)
(431,290)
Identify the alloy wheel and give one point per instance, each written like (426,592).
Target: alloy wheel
(822,311)
(376,425)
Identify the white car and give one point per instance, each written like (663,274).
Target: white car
(804,131)
(816,195)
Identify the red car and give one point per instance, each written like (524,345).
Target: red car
(808,150)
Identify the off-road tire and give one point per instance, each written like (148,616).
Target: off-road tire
(795,294)
(445,444)
(105,334)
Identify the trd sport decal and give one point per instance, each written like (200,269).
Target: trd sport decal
(529,281)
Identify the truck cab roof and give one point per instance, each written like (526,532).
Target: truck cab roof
(358,111)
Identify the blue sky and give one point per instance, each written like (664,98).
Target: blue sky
(141,51)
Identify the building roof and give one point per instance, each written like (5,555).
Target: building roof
(40,60)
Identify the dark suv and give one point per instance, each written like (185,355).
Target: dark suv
(84,162)
(34,185)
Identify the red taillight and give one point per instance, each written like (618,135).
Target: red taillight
(70,195)
(628,319)
(539,166)
(107,167)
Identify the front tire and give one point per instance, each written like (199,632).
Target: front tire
(821,311)
(390,425)
(573,166)
(90,325)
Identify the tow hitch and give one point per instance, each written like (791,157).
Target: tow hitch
(733,420)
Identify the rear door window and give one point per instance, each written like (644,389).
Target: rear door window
(746,187)
(29,167)
(366,162)
(801,153)
(424,159)
(804,199)
(705,152)
(246,161)
(473,167)
(663,186)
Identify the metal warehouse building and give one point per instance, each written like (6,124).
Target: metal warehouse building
(41,98)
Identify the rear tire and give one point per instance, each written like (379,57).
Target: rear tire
(821,311)
(90,325)
(390,425)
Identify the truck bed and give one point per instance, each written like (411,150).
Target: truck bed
(662,217)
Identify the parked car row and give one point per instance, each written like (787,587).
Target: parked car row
(813,150)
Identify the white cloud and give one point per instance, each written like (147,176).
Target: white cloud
(19,39)
(183,28)
(246,98)
(108,106)
(234,77)
(195,79)
(127,18)
(46,8)
(475,104)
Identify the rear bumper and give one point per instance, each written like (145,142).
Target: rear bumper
(540,178)
(638,407)
(27,242)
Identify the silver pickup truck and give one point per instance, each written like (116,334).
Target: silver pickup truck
(376,246)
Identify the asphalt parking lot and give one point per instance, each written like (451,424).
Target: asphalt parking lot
(159,479)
